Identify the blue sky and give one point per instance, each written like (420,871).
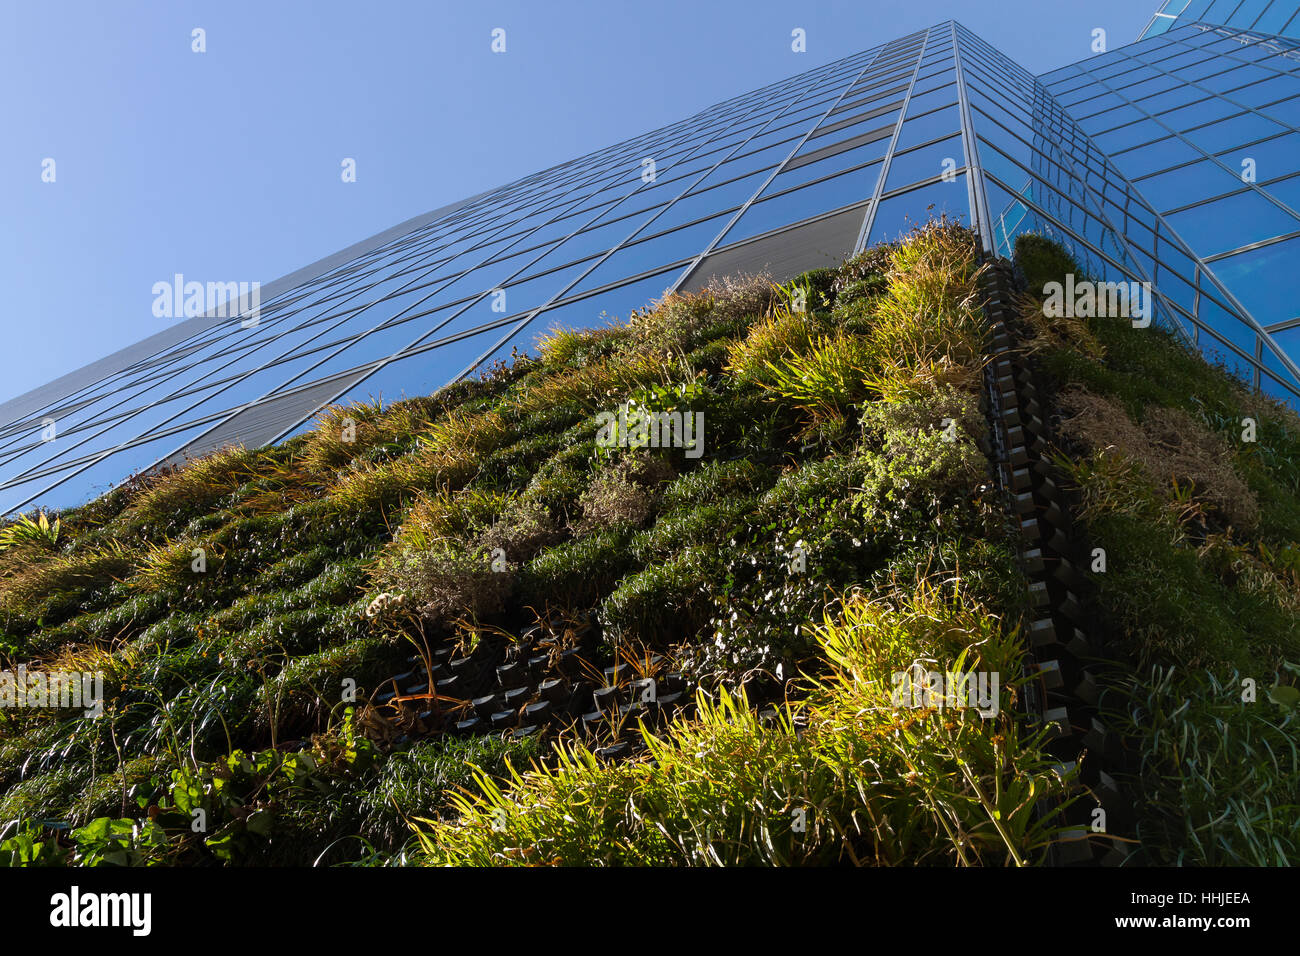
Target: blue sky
(225,165)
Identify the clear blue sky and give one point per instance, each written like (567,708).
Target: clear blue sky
(225,166)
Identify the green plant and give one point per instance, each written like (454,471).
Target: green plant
(801,563)
(928,325)
(861,278)
(646,413)
(796,295)
(30,845)
(768,340)
(39,531)
(420,782)
(861,781)
(663,603)
(625,490)
(172,497)
(1218,773)
(576,573)
(61,574)
(824,381)
(1042,260)
(716,480)
(449,580)
(121,842)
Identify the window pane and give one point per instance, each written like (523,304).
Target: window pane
(792,207)
(1188,184)
(1252,278)
(1233,132)
(928,127)
(1154,157)
(1229,223)
(896,216)
(654,253)
(925,163)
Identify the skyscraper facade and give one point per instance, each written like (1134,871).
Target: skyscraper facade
(1274,17)
(1171,161)
(1203,123)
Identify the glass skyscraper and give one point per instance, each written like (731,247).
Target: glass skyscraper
(1275,17)
(1202,122)
(1174,160)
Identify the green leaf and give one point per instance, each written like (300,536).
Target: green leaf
(260,823)
(96,830)
(1284,695)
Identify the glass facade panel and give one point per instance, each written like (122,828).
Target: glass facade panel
(1187,184)
(1259,280)
(1224,224)
(925,162)
(930,126)
(898,214)
(791,207)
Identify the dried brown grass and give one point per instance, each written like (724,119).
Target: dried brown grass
(1172,448)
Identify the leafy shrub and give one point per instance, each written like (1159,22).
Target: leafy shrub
(864,276)
(825,380)
(929,324)
(576,573)
(524,528)
(562,348)
(39,532)
(953,413)
(417,784)
(711,357)
(172,497)
(877,784)
(820,284)
(769,340)
(817,483)
(64,574)
(1207,758)
(663,603)
(560,481)
(624,492)
(739,296)
(460,515)
(670,325)
(782,562)
(1042,260)
(705,525)
(1171,448)
(448,581)
(917,488)
(716,480)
